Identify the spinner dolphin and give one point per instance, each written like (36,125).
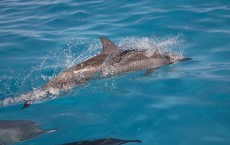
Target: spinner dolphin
(112,61)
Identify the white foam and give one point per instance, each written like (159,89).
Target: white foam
(169,43)
(56,60)
(9,100)
(54,91)
(152,45)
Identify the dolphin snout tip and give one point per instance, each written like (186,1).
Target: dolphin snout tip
(185,59)
(51,130)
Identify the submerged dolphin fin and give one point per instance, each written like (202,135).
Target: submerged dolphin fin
(149,71)
(108,46)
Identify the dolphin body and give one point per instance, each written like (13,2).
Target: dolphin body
(112,61)
(76,75)
(107,141)
(12,131)
(124,61)
(83,71)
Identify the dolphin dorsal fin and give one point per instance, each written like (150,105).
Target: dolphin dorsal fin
(108,46)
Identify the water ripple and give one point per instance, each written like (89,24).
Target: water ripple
(39,39)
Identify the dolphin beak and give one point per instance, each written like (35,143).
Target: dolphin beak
(185,59)
(26,104)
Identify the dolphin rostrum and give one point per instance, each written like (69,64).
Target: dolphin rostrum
(107,141)
(112,61)
(76,75)
(12,131)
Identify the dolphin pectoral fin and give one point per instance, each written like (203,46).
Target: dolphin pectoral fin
(149,71)
(108,46)
(26,104)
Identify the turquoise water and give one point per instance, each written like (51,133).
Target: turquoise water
(182,104)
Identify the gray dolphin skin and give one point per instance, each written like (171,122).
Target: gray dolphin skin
(76,75)
(124,61)
(12,131)
(107,141)
(83,71)
(112,61)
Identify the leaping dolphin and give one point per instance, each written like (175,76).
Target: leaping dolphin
(112,61)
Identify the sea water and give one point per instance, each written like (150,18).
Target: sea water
(182,104)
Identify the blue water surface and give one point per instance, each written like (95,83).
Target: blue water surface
(181,104)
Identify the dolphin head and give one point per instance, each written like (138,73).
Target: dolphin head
(129,60)
(166,56)
(34,131)
(12,131)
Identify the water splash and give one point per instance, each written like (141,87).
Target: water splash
(151,46)
(167,43)
(74,52)
(17,83)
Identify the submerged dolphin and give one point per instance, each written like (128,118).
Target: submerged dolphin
(12,131)
(107,141)
(76,75)
(112,61)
